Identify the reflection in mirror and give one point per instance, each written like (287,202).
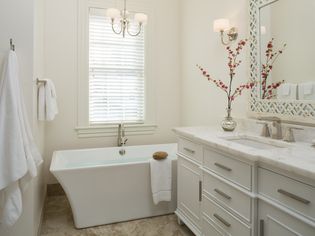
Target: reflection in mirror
(292,75)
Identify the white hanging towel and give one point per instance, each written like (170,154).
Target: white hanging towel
(308,88)
(47,101)
(287,91)
(161,180)
(307,91)
(19,156)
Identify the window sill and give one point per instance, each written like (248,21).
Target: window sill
(112,130)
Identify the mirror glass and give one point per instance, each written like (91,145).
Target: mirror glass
(288,63)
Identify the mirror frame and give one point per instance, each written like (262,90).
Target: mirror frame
(292,111)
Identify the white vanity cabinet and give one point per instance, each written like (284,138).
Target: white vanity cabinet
(210,201)
(222,194)
(189,184)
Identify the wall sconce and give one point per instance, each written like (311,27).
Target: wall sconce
(223,25)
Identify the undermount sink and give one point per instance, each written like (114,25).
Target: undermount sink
(257,142)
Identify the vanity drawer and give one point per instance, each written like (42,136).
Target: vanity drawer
(228,196)
(231,169)
(225,220)
(209,228)
(294,194)
(190,149)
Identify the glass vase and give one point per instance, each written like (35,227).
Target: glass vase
(228,124)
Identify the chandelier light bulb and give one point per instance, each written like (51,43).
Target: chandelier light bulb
(113,13)
(141,18)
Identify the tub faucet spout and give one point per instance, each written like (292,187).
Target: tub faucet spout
(122,140)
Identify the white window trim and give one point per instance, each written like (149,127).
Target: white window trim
(84,129)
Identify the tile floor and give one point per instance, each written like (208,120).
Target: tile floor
(58,222)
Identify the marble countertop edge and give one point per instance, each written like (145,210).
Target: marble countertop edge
(287,159)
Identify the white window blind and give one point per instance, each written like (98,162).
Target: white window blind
(116,73)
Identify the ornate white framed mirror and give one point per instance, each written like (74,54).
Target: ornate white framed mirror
(288,89)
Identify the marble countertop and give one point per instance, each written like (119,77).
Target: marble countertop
(296,158)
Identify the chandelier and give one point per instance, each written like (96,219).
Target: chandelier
(124,19)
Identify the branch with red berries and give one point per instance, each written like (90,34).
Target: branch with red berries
(219,83)
(233,64)
(271,57)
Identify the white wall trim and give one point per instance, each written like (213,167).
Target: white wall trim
(42,212)
(111,130)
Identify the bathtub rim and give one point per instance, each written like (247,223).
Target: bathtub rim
(55,168)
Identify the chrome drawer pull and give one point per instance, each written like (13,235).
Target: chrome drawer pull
(222,194)
(261,228)
(189,150)
(223,221)
(293,196)
(222,167)
(200,191)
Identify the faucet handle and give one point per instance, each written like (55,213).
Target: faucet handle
(289,135)
(265,130)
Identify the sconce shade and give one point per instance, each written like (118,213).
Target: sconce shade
(112,13)
(221,25)
(141,18)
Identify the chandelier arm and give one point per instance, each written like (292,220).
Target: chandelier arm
(136,34)
(113,28)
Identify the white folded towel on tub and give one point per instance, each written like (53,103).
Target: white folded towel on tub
(161,180)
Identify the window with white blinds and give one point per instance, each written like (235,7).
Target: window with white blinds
(116,73)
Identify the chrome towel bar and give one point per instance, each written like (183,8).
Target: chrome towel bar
(12,46)
(38,81)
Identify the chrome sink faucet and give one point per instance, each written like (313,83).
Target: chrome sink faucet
(276,129)
(122,140)
(289,135)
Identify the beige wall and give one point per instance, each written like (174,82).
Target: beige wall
(61,66)
(202,103)
(17,22)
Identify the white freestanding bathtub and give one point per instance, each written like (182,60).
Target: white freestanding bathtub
(105,187)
